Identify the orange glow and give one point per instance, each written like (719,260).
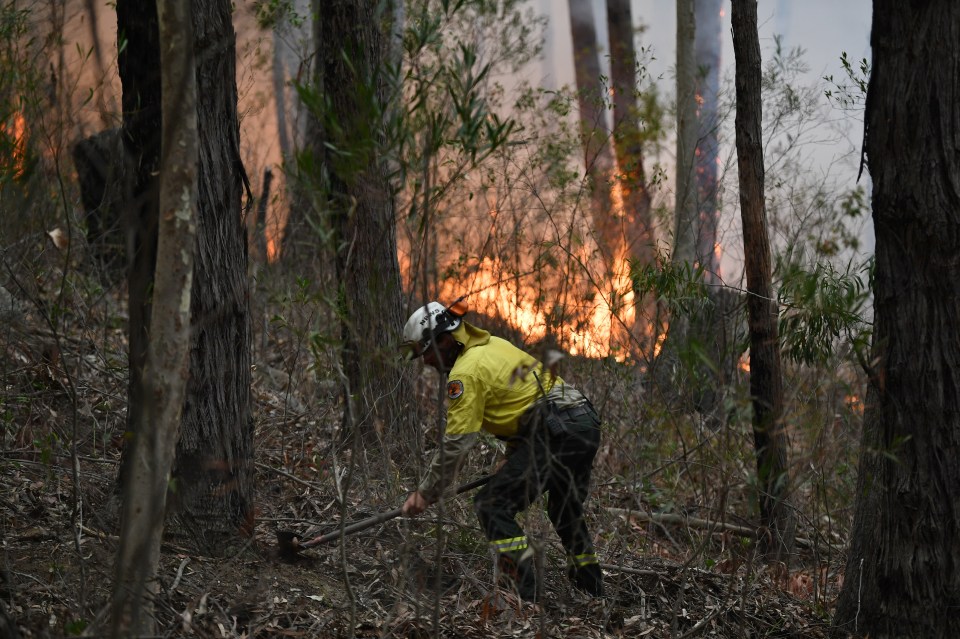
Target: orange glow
(573,282)
(273,250)
(854,403)
(17,132)
(590,328)
(616,198)
(596,315)
(658,346)
(744,364)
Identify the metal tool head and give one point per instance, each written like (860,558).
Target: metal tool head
(288,543)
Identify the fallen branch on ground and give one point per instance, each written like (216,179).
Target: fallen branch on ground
(706,524)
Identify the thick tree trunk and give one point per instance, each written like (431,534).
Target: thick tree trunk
(214,465)
(766,383)
(355,40)
(164,379)
(903,570)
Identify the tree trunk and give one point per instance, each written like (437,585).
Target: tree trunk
(139,66)
(597,154)
(903,570)
(707,47)
(637,219)
(99,160)
(685,231)
(165,376)
(627,136)
(214,466)
(710,328)
(294,45)
(766,383)
(685,202)
(355,38)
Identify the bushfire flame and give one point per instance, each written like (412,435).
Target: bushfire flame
(592,327)
(273,251)
(596,315)
(16,132)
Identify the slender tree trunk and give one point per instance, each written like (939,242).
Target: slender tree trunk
(710,327)
(685,230)
(766,383)
(214,465)
(637,219)
(707,47)
(293,49)
(139,66)
(627,134)
(165,376)
(685,206)
(903,569)
(598,156)
(355,37)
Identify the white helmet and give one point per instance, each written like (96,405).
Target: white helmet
(427,322)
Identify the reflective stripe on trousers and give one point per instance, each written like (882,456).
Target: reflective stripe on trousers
(585,559)
(511,544)
(537,464)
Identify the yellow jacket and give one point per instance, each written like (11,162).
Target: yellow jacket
(490,387)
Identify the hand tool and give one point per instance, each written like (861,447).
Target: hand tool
(290,543)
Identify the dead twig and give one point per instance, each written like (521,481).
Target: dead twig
(289,476)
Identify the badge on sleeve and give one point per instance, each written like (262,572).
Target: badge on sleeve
(454,389)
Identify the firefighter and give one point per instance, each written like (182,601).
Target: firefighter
(552,433)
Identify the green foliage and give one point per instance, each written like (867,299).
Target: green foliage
(849,93)
(556,145)
(445,117)
(427,110)
(653,116)
(271,13)
(780,80)
(679,284)
(836,235)
(821,306)
(468,540)
(814,214)
(297,314)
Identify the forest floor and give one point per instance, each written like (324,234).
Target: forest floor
(428,577)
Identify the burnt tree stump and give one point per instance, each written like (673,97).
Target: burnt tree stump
(100,164)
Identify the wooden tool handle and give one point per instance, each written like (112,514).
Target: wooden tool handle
(378,519)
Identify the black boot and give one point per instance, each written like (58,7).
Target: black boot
(587,578)
(519,574)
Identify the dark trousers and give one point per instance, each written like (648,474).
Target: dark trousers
(556,460)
